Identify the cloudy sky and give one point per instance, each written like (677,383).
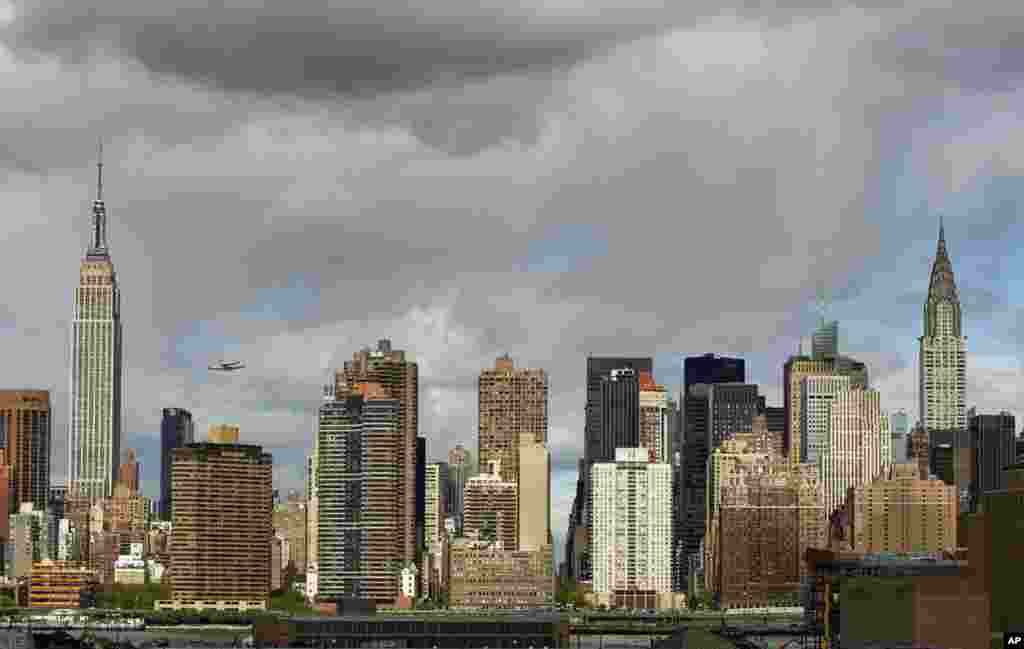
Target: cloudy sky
(547,178)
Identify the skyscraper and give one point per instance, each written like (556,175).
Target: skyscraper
(710,369)
(176,431)
(632,542)
(595,448)
(620,413)
(359,435)
(436,502)
(857,446)
(534,494)
(816,396)
(94,424)
(900,427)
(399,375)
(223,525)
(994,447)
(793,374)
(460,469)
(655,432)
(128,474)
(512,402)
(421,491)
(25,433)
(825,340)
(943,350)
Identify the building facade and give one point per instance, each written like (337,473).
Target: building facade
(534,494)
(943,350)
(655,433)
(483,576)
(900,512)
(995,448)
(816,394)
(492,509)
(177,430)
(461,467)
(857,448)
(825,340)
(512,402)
(436,507)
(94,422)
(900,427)
(358,554)
(222,526)
(632,504)
(796,369)
(26,436)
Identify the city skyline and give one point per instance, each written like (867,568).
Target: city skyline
(233,242)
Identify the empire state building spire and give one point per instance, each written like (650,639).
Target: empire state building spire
(98,244)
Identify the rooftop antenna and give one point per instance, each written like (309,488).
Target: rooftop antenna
(822,302)
(99,171)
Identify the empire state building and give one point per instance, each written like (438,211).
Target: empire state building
(943,352)
(94,427)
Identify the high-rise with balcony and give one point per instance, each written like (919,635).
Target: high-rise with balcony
(512,402)
(94,423)
(632,528)
(943,350)
(399,375)
(25,434)
(177,430)
(359,436)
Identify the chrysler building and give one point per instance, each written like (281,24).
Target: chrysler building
(943,352)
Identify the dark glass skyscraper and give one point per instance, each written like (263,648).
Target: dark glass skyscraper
(620,413)
(710,369)
(992,437)
(176,431)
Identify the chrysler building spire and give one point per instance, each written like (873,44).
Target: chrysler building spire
(943,349)
(98,246)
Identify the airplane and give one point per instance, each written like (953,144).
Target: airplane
(225,366)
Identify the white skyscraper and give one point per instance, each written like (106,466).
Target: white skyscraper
(943,351)
(858,445)
(815,399)
(94,425)
(632,505)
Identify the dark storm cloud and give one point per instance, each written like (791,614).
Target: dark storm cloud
(355,49)
(360,51)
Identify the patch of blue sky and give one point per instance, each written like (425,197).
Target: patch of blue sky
(565,248)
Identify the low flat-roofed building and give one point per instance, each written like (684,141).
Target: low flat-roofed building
(486,577)
(59,584)
(928,599)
